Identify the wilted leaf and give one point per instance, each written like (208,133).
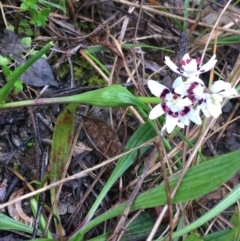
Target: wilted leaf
(15,209)
(80,148)
(11,45)
(103,138)
(39,74)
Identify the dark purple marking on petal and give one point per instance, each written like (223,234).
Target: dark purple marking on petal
(198,60)
(165,108)
(201,101)
(192,87)
(182,62)
(173,114)
(185,111)
(175,96)
(192,98)
(164,93)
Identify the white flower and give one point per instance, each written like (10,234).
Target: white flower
(178,109)
(223,88)
(193,87)
(211,103)
(190,67)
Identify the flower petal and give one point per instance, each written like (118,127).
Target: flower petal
(171,122)
(156,88)
(186,57)
(171,65)
(183,119)
(213,109)
(183,102)
(209,65)
(203,108)
(192,85)
(180,124)
(190,69)
(156,112)
(194,117)
(223,88)
(177,82)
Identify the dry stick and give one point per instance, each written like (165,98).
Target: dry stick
(129,222)
(83,53)
(118,232)
(160,148)
(185,168)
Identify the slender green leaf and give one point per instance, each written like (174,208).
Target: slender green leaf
(7,224)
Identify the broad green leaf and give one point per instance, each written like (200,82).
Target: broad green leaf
(111,96)
(143,134)
(198,181)
(61,146)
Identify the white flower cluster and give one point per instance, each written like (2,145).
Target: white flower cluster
(183,102)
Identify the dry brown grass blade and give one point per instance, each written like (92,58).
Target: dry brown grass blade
(83,53)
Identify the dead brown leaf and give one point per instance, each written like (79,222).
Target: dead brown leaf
(15,210)
(103,138)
